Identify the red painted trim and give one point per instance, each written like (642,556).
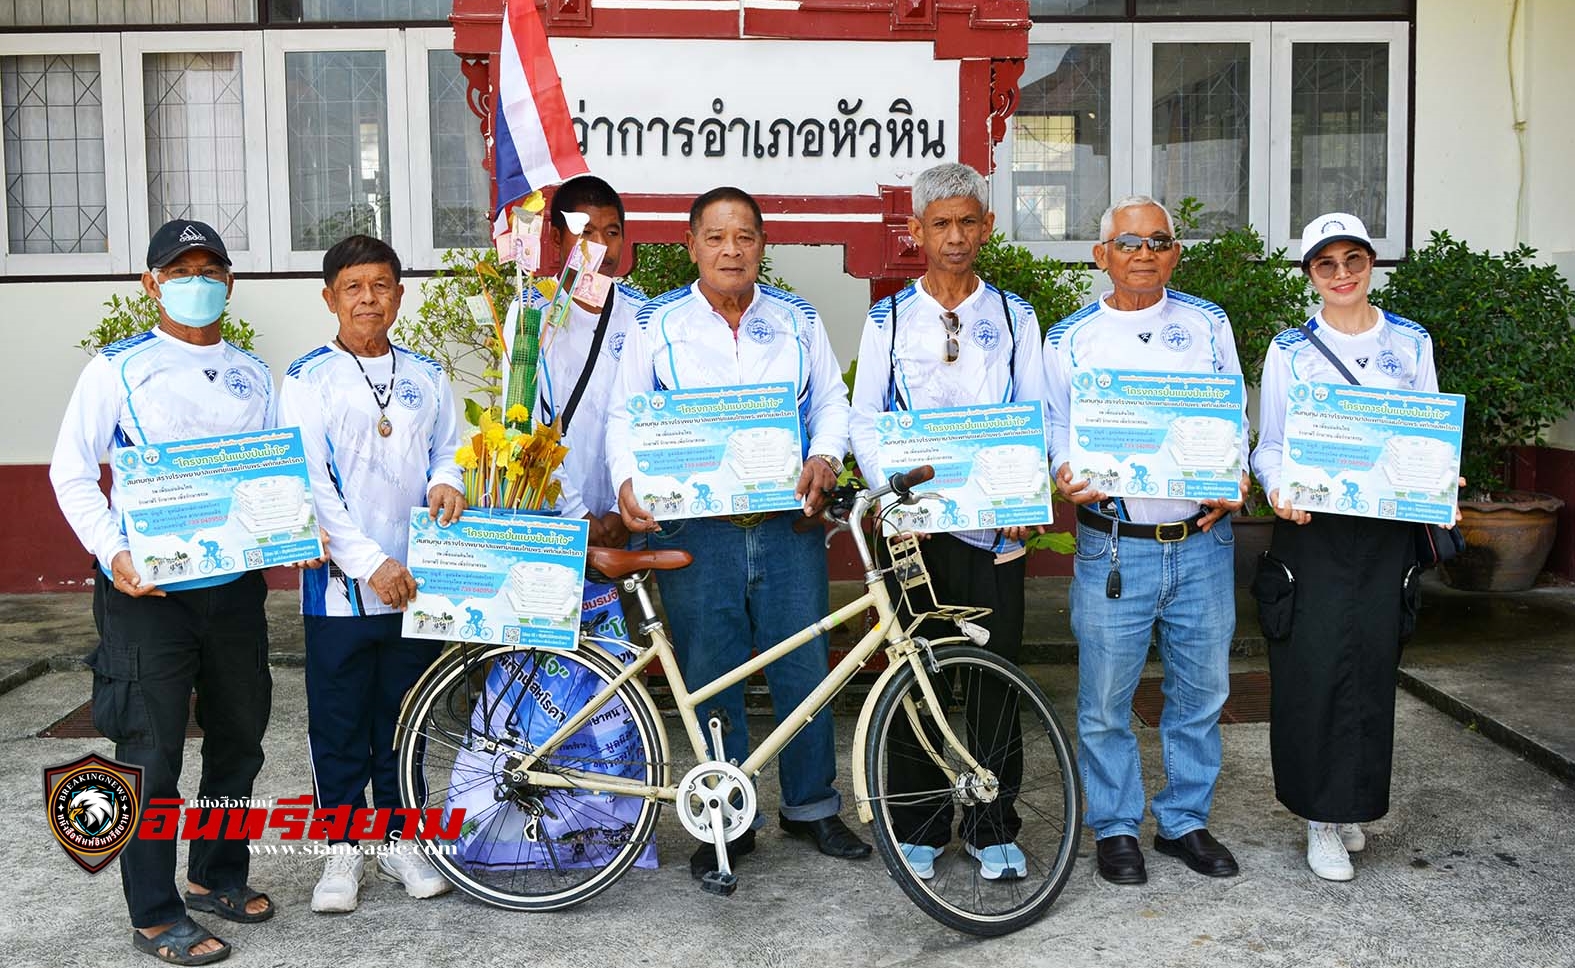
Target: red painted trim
(1551,470)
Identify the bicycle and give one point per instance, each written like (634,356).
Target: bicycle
(561,817)
(704,503)
(211,562)
(1140,483)
(476,630)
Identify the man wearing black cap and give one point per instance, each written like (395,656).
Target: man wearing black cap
(157,644)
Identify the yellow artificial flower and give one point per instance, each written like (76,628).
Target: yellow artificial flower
(534,202)
(466,457)
(519,413)
(547,286)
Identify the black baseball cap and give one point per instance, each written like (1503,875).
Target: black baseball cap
(182,235)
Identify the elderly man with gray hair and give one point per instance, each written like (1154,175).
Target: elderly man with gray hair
(951,339)
(1146,565)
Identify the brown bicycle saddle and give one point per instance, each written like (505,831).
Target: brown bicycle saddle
(616,563)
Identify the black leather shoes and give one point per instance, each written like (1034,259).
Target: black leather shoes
(830,834)
(1120,860)
(703,861)
(1201,852)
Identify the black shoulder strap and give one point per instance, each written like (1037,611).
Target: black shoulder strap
(1328,353)
(590,362)
(1011,333)
(891,379)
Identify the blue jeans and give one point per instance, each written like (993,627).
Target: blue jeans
(1185,592)
(747,590)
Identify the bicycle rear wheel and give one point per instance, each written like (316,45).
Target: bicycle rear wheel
(1011,730)
(525,848)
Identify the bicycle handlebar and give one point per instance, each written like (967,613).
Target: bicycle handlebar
(901,484)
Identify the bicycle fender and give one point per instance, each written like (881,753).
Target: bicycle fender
(861,789)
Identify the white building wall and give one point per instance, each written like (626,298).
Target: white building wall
(1465,157)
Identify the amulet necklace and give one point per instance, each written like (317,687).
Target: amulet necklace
(384,425)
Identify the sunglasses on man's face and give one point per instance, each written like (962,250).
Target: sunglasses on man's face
(953,328)
(1131,242)
(1328,267)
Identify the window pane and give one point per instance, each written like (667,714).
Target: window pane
(1276,8)
(1077,8)
(1340,132)
(52,13)
(460,191)
(337,138)
(1202,105)
(53,122)
(1061,146)
(196,138)
(304,11)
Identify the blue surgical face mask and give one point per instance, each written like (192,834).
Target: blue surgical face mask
(193,301)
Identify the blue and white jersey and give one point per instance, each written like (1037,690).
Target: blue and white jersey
(150,389)
(902,366)
(1178,334)
(1393,353)
(681,343)
(365,484)
(587,484)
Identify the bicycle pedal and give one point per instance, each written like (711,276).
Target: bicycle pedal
(718,883)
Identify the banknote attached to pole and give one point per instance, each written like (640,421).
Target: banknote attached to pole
(1138,433)
(991,468)
(215,506)
(507,577)
(704,453)
(1371,452)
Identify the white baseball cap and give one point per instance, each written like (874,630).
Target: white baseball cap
(1333,227)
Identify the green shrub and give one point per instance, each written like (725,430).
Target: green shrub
(140,313)
(1262,296)
(1054,289)
(444,329)
(1502,337)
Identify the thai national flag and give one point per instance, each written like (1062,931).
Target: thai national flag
(533,142)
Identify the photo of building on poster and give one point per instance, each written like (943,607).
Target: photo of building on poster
(507,577)
(216,506)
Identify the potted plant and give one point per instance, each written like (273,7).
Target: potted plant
(1501,328)
(1262,296)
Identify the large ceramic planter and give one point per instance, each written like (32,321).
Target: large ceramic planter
(1252,539)
(1507,542)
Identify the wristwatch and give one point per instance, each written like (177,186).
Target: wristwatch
(831,462)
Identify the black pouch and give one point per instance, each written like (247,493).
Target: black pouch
(119,710)
(1274,588)
(1410,602)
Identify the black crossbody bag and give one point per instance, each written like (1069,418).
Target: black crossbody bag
(1434,542)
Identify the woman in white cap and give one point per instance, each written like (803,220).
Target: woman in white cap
(1337,594)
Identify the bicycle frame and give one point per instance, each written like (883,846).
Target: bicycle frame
(902,649)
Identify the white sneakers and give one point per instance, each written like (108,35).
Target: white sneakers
(1352,837)
(1327,854)
(406,864)
(339,889)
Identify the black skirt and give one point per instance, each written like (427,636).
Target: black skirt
(1335,634)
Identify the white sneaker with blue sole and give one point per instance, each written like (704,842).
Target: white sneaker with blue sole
(1000,862)
(921,859)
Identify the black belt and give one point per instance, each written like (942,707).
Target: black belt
(1171,531)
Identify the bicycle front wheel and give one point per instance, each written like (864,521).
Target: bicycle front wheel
(521,847)
(1008,838)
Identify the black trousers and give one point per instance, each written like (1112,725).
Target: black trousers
(964,575)
(358,669)
(152,654)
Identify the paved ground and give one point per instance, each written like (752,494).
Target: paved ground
(1471,868)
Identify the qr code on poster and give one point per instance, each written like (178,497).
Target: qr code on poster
(1178,489)
(986,519)
(740,503)
(1388,508)
(511,635)
(254,558)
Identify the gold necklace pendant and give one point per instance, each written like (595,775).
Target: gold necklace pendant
(385,427)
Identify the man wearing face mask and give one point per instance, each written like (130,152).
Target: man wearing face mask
(157,644)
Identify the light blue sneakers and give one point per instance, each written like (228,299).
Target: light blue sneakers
(1000,862)
(921,859)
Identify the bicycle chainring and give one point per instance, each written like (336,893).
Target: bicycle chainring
(729,787)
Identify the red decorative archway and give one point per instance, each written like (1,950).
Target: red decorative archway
(989,39)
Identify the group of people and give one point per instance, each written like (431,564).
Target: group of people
(380,433)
